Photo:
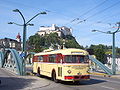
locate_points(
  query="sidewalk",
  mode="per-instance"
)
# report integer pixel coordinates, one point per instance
(23, 83)
(36, 84)
(11, 81)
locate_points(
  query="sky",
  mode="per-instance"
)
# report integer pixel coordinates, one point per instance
(82, 16)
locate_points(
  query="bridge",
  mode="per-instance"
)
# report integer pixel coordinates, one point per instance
(11, 60)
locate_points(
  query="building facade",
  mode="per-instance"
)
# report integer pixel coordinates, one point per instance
(117, 61)
(54, 29)
(11, 43)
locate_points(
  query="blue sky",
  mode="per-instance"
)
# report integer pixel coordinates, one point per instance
(99, 14)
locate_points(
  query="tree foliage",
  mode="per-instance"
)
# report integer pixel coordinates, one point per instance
(99, 51)
(42, 42)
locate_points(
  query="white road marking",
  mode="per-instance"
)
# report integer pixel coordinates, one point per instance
(108, 87)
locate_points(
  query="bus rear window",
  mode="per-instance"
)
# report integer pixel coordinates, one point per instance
(75, 59)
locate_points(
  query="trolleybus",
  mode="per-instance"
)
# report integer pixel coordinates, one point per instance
(64, 64)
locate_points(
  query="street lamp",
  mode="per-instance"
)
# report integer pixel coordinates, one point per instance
(113, 46)
(25, 24)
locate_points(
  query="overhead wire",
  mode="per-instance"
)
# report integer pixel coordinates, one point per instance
(106, 18)
(70, 17)
(78, 18)
(29, 6)
(102, 11)
(58, 13)
(107, 23)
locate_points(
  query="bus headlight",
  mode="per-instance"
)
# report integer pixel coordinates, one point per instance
(69, 71)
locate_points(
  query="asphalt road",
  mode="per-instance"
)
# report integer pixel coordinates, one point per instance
(96, 83)
(11, 82)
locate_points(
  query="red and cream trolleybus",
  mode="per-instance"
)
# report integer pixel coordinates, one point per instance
(64, 64)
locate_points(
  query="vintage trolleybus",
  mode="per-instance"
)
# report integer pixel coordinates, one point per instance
(65, 64)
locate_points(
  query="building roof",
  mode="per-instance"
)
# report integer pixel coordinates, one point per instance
(9, 39)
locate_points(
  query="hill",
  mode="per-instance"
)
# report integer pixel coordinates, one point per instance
(39, 43)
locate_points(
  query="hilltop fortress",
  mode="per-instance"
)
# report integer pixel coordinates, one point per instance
(61, 31)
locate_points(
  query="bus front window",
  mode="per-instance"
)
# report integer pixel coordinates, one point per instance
(74, 59)
(70, 59)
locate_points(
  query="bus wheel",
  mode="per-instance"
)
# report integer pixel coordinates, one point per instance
(38, 71)
(54, 77)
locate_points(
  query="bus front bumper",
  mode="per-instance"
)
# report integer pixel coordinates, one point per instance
(77, 78)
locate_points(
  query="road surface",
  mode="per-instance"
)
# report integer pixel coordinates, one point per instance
(13, 82)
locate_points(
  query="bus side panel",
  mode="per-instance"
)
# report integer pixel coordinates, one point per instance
(48, 68)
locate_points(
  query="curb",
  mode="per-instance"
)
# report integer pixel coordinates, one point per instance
(105, 75)
(115, 76)
(101, 74)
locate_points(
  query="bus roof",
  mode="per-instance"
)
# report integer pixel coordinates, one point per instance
(70, 51)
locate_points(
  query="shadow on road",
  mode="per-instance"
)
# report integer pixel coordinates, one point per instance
(89, 82)
(13, 83)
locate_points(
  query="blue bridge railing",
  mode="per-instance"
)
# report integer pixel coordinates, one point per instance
(14, 64)
(101, 65)
(1, 58)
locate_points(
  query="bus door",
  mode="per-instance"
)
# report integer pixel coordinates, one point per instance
(59, 61)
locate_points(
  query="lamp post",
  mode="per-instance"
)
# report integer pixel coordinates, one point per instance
(25, 24)
(113, 46)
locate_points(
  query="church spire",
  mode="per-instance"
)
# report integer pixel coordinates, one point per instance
(18, 37)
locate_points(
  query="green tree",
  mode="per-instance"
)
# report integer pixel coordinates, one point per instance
(99, 52)
(42, 42)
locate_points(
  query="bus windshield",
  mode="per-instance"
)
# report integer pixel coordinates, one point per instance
(75, 59)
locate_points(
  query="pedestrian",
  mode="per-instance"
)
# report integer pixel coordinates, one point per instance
(0, 81)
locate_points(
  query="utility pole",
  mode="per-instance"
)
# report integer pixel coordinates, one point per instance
(113, 46)
(25, 24)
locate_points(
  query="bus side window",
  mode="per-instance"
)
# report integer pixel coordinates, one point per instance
(52, 58)
(40, 58)
(35, 59)
(59, 58)
(45, 58)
